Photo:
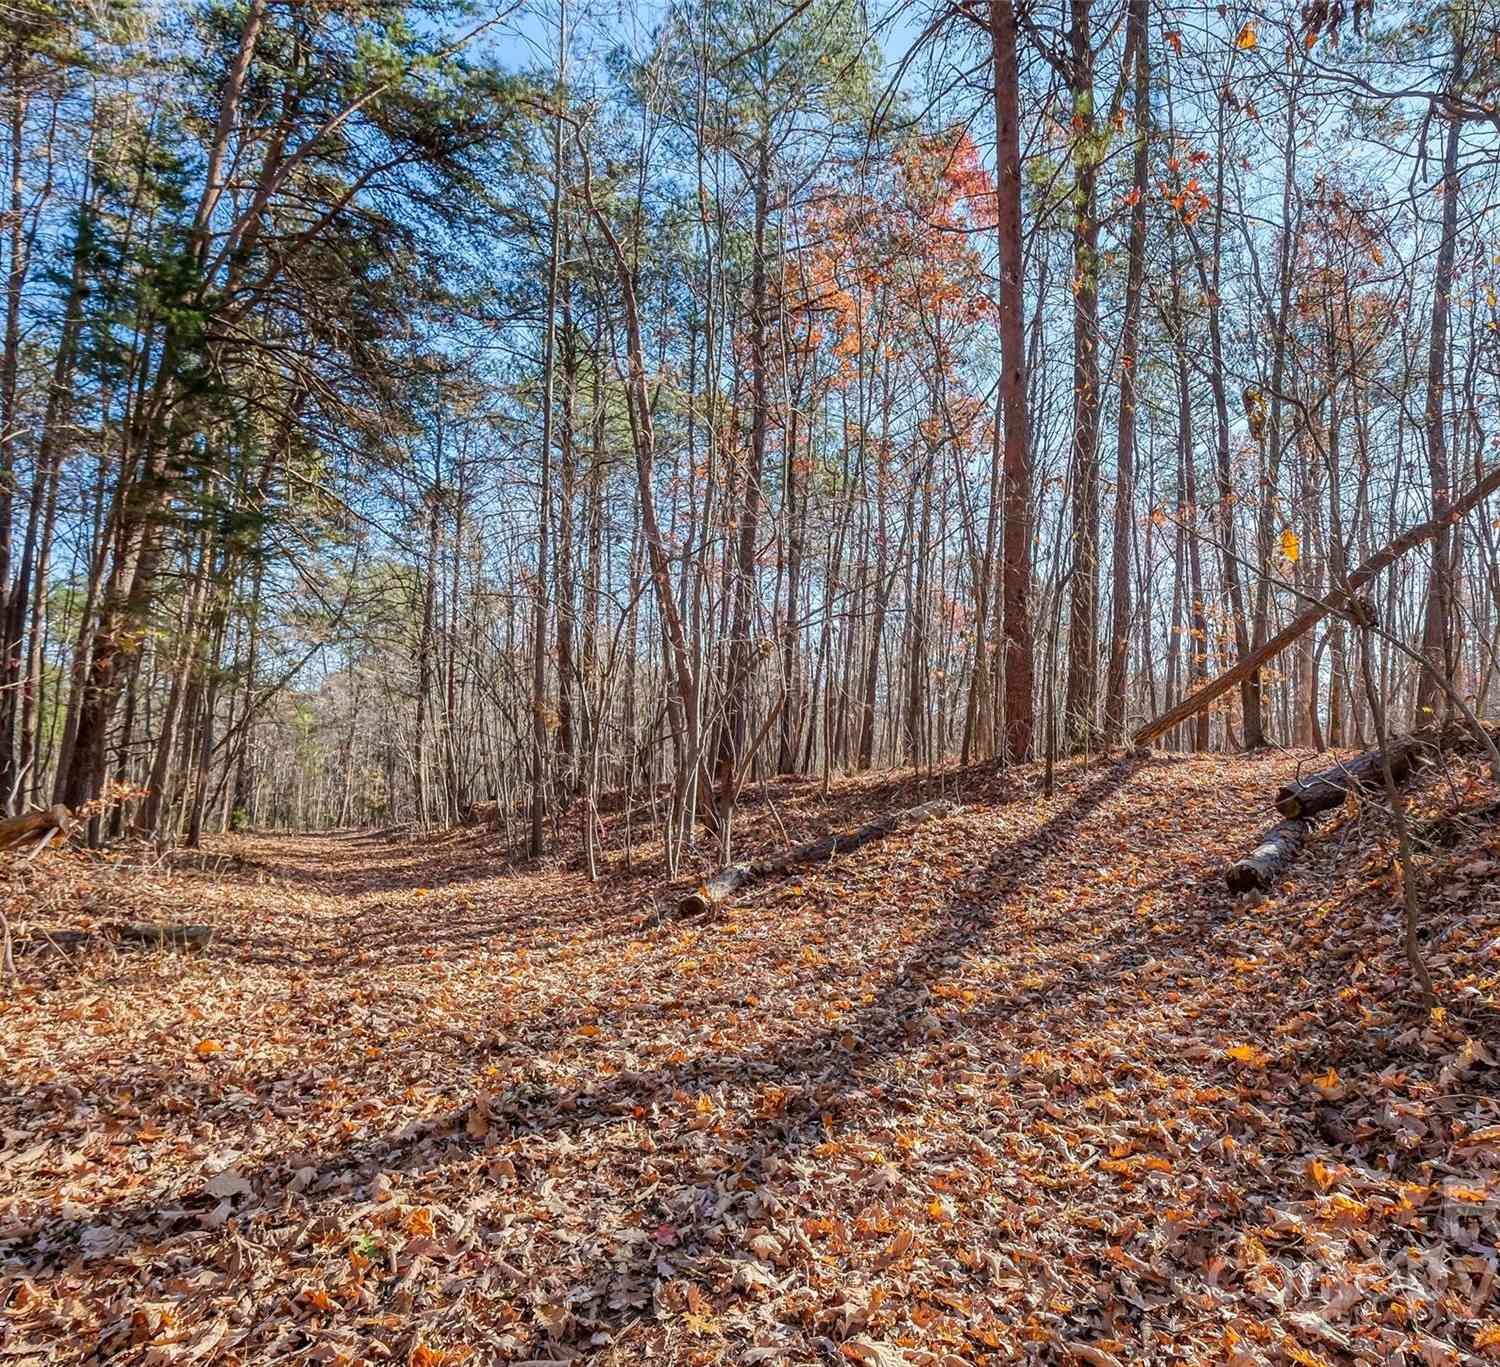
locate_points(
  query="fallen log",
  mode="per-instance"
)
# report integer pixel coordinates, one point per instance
(1338, 600)
(145, 933)
(19, 830)
(1323, 791)
(719, 888)
(728, 880)
(1278, 847)
(163, 936)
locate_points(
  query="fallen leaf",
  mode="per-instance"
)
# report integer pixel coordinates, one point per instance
(896, 1249)
(228, 1183)
(873, 1353)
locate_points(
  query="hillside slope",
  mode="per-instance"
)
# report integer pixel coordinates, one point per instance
(1025, 1083)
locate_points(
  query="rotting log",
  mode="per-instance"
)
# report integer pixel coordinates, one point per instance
(728, 880)
(163, 936)
(147, 934)
(720, 888)
(20, 830)
(1337, 600)
(1303, 799)
(1278, 847)
(1325, 790)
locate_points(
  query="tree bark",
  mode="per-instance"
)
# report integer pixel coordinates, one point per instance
(1083, 606)
(1016, 543)
(1120, 611)
(1278, 847)
(538, 842)
(1437, 625)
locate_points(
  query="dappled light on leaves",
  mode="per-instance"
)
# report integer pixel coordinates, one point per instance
(1023, 1079)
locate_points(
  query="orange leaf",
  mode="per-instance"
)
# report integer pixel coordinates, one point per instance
(319, 1299)
(897, 1248)
(419, 1222)
(1321, 1173)
(423, 1356)
(1246, 39)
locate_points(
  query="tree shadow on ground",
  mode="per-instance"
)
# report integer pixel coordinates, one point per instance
(339, 864)
(815, 1073)
(707, 1200)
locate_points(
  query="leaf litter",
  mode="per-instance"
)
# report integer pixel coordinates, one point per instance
(1023, 1084)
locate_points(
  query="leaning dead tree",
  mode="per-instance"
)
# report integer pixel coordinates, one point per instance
(1339, 599)
(732, 877)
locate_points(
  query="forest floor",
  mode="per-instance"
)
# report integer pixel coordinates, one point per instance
(1022, 1084)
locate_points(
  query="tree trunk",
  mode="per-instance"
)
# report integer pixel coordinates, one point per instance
(1083, 607)
(1437, 625)
(539, 717)
(1252, 732)
(741, 657)
(1119, 643)
(1017, 588)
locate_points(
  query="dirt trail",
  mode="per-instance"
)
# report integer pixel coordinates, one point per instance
(1026, 1083)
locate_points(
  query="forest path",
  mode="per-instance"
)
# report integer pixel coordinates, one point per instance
(1024, 1081)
